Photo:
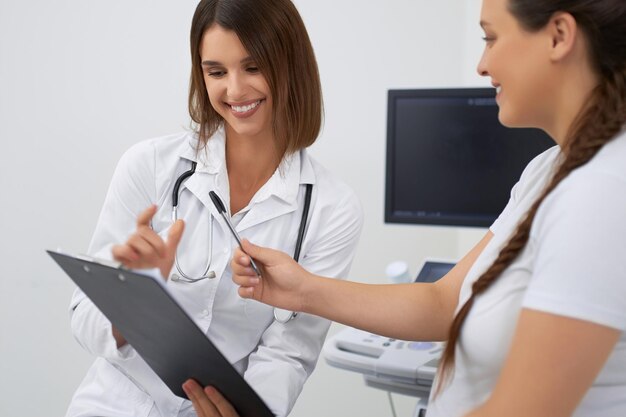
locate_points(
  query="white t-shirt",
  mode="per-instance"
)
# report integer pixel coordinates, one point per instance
(573, 265)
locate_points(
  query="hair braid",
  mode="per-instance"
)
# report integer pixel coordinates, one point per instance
(594, 127)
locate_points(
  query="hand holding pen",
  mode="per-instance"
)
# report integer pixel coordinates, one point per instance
(222, 211)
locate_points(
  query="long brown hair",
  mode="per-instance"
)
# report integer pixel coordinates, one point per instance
(273, 33)
(603, 23)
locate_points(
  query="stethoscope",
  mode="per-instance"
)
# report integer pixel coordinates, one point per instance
(280, 315)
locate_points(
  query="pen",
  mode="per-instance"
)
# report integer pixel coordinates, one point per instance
(222, 210)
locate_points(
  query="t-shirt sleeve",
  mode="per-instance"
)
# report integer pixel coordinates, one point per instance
(533, 172)
(510, 206)
(579, 237)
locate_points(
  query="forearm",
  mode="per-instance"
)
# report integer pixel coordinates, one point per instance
(402, 311)
(92, 330)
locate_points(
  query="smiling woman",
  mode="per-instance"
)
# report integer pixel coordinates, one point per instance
(255, 101)
(276, 47)
(237, 90)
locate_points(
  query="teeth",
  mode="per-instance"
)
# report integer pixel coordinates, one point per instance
(243, 109)
(498, 89)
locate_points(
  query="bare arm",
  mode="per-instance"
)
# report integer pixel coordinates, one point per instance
(552, 363)
(419, 311)
(407, 311)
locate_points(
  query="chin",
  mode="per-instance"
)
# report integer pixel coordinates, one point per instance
(508, 118)
(250, 131)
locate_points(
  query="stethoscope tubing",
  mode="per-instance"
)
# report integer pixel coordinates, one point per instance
(211, 274)
(175, 195)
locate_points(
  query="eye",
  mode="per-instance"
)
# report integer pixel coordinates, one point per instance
(489, 39)
(216, 73)
(252, 70)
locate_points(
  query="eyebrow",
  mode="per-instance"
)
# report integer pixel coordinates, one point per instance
(209, 63)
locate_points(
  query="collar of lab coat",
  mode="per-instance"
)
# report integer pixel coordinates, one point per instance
(294, 170)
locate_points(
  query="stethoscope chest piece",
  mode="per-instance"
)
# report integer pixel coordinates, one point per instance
(283, 316)
(178, 278)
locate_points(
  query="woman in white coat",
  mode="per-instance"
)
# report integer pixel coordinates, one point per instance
(256, 102)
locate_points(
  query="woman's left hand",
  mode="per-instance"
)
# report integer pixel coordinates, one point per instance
(208, 402)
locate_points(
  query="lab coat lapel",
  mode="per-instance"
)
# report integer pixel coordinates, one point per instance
(210, 174)
(267, 210)
(279, 196)
(199, 184)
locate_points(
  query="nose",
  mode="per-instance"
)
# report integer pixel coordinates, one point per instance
(236, 86)
(482, 65)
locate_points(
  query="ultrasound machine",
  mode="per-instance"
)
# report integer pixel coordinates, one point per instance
(396, 366)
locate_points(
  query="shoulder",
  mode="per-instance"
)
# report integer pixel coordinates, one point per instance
(579, 240)
(148, 156)
(609, 162)
(530, 185)
(603, 176)
(153, 148)
(592, 196)
(541, 166)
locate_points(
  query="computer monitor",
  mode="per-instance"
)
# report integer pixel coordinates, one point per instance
(449, 160)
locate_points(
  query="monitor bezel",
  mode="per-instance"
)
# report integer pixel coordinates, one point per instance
(448, 220)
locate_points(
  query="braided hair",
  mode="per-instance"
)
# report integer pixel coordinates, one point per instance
(603, 23)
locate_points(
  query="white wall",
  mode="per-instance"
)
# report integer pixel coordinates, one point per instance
(82, 81)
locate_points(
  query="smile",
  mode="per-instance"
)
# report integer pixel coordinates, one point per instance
(246, 108)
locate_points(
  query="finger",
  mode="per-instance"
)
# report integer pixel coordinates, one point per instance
(145, 217)
(240, 257)
(223, 406)
(200, 401)
(174, 235)
(146, 251)
(152, 238)
(241, 265)
(246, 292)
(259, 253)
(245, 276)
(124, 254)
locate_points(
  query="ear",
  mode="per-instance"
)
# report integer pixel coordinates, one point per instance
(563, 31)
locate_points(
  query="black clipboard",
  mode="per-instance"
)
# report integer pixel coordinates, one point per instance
(161, 332)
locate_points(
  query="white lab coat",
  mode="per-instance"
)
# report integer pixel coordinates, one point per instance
(274, 358)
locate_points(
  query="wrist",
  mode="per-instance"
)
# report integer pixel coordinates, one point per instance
(308, 293)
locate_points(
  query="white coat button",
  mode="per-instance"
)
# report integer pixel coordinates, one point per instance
(205, 313)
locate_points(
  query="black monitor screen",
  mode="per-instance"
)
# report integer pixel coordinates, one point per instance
(449, 160)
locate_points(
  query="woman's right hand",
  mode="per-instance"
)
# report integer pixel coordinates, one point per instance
(282, 282)
(145, 248)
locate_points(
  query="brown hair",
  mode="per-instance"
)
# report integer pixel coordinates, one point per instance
(603, 23)
(273, 33)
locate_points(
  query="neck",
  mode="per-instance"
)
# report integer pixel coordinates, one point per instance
(250, 161)
(572, 97)
(571, 106)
